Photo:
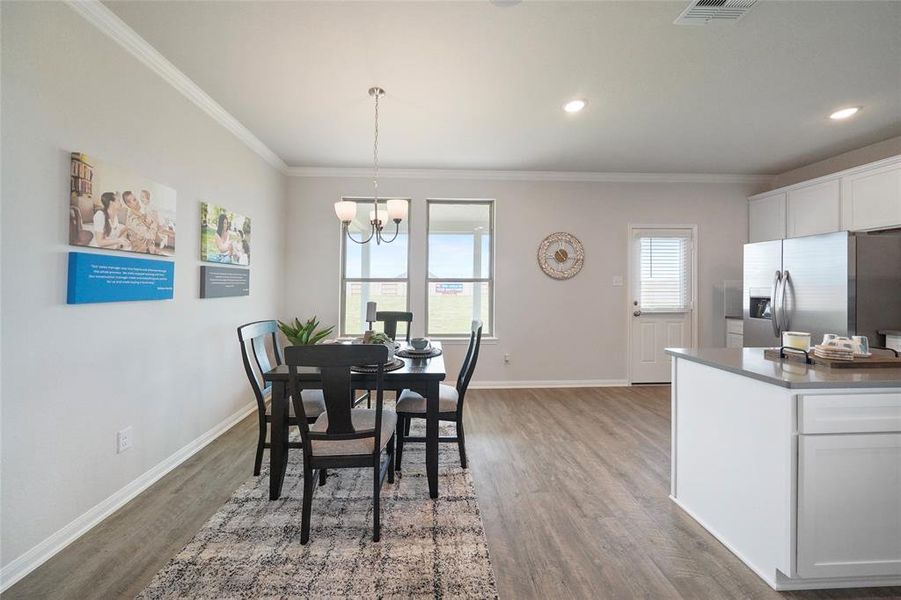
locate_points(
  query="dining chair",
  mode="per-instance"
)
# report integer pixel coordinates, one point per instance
(411, 405)
(342, 437)
(252, 337)
(391, 318)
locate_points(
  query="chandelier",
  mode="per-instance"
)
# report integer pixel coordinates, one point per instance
(394, 210)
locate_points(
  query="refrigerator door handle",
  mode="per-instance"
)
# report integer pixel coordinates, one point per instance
(774, 312)
(786, 318)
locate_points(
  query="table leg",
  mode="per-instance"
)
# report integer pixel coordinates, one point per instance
(431, 438)
(278, 437)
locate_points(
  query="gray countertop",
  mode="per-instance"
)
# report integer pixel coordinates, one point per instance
(751, 363)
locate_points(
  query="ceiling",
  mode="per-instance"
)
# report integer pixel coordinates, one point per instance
(480, 85)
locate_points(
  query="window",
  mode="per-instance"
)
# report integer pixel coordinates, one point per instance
(372, 273)
(664, 270)
(460, 278)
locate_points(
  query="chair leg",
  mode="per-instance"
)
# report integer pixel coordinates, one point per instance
(461, 443)
(307, 504)
(390, 448)
(407, 426)
(258, 460)
(322, 475)
(376, 488)
(400, 441)
(368, 399)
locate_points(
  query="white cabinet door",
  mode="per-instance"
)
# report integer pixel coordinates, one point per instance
(872, 199)
(849, 512)
(814, 209)
(766, 218)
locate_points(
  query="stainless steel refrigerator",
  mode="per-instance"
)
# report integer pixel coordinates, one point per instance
(843, 283)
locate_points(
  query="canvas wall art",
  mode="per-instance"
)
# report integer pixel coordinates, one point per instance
(112, 208)
(224, 236)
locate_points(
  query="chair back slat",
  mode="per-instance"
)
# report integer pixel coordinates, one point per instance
(469, 362)
(252, 337)
(334, 362)
(391, 318)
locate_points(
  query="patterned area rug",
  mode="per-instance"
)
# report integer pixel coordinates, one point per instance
(429, 548)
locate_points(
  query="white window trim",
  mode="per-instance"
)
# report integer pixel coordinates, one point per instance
(463, 338)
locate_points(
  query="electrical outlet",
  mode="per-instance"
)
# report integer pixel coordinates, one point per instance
(507, 358)
(617, 281)
(123, 439)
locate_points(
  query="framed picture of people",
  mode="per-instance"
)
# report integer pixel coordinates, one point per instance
(224, 236)
(113, 208)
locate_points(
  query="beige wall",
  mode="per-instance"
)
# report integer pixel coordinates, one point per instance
(840, 162)
(581, 322)
(75, 375)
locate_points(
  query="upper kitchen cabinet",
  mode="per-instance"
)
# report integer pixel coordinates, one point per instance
(871, 199)
(813, 209)
(766, 217)
(858, 199)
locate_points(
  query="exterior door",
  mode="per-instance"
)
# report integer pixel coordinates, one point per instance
(661, 302)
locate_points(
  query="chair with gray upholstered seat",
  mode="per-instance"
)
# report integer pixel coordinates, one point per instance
(342, 437)
(253, 338)
(411, 405)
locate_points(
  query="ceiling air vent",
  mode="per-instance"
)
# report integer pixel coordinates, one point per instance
(702, 12)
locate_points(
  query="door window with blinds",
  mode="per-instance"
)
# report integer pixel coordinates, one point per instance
(663, 270)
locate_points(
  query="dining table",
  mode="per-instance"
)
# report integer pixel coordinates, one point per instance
(421, 375)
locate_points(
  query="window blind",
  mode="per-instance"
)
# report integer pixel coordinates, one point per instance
(664, 274)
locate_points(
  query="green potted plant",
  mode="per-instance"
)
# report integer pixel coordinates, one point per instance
(306, 333)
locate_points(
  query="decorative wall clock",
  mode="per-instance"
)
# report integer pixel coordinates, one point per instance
(561, 255)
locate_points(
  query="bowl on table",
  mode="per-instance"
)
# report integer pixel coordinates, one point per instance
(419, 343)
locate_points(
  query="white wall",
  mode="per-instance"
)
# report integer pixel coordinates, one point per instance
(74, 375)
(581, 322)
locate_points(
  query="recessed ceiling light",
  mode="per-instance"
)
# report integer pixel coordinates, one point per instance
(574, 106)
(844, 113)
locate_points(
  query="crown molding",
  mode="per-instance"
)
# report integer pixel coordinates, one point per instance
(568, 176)
(106, 21)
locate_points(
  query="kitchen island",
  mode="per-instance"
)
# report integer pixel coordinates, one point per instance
(796, 469)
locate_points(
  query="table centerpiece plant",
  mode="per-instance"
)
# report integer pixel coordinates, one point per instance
(371, 337)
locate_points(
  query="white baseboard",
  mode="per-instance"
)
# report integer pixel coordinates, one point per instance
(35, 557)
(549, 383)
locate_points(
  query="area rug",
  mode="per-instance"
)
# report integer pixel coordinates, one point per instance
(429, 548)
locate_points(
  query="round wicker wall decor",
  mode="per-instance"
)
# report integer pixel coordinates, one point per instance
(561, 255)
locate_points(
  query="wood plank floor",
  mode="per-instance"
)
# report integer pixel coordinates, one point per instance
(573, 486)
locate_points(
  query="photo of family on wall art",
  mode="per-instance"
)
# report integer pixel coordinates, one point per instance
(114, 209)
(224, 236)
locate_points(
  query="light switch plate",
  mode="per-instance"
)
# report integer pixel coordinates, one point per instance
(617, 281)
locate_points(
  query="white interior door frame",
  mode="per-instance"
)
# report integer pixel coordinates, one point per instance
(627, 305)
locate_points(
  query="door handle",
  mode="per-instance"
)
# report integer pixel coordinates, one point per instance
(786, 317)
(636, 313)
(774, 310)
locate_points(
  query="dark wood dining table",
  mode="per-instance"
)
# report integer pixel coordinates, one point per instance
(420, 375)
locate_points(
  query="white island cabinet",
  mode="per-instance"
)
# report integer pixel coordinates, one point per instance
(796, 469)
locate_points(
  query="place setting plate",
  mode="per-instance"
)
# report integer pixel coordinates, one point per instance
(411, 352)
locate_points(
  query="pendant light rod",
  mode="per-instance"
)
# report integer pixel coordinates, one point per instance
(395, 209)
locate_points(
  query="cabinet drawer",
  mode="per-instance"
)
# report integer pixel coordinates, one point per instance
(735, 326)
(850, 413)
(734, 340)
